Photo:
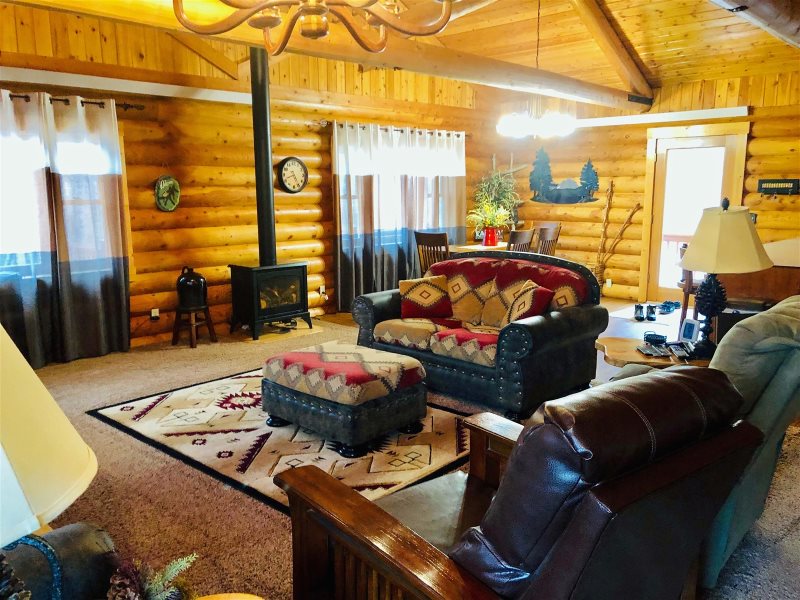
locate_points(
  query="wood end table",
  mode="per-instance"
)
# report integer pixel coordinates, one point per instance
(619, 351)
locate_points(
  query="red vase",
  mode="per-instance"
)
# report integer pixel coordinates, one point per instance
(490, 236)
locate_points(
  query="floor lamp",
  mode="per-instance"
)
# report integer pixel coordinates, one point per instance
(726, 241)
(44, 463)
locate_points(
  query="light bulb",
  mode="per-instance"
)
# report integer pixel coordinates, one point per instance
(516, 125)
(555, 124)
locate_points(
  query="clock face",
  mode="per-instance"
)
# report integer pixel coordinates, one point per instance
(292, 175)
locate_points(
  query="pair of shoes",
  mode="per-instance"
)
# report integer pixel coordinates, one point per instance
(668, 307)
(638, 312)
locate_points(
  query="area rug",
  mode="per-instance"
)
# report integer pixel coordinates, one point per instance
(219, 428)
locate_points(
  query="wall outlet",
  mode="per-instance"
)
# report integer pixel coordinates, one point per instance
(322, 290)
(608, 283)
(154, 314)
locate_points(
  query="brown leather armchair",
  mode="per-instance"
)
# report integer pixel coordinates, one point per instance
(604, 494)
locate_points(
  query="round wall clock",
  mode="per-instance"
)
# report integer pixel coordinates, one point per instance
(167, 193)
(292, 175)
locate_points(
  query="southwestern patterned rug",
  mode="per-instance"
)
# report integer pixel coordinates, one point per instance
(219, 428)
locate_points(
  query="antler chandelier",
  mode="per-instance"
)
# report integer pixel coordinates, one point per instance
(366, 20)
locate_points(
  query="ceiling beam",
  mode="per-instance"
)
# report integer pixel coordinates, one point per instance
(402, 54)
(207, 52)
(780, 18)
(603, 33)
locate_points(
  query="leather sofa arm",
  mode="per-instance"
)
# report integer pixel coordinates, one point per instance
(491, 440)
(332, 524)
(371, 309)
(557, 328)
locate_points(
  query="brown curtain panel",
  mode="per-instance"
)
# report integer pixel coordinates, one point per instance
(63, 259)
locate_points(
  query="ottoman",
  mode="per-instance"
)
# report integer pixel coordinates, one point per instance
(348, 394)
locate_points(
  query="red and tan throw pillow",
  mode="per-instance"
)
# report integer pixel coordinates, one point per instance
(518, 300)
(469, 281)
(425, 298)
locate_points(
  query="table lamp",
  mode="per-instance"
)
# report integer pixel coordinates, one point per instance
(725, 241)
(44, 463)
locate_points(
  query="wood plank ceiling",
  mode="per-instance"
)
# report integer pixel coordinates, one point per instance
(671, 40)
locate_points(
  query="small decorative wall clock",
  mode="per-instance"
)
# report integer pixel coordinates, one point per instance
(167, 193)
(292, 175)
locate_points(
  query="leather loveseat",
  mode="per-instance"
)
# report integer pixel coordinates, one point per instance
(514, 368)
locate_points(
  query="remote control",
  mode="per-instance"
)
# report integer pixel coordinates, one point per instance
(679, 351)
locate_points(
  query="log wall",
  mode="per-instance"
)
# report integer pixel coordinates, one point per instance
(208, 147)
(619, 154)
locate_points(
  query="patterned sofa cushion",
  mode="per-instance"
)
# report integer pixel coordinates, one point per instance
(469, 283)
(519, 300)
(476, 345)
(343, 373)
(426, 298)
(411, 333)
(569, 288)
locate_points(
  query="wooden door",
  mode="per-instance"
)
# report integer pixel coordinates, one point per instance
(690, 173)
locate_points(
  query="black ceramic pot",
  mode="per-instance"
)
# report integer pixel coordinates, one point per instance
(192, 289)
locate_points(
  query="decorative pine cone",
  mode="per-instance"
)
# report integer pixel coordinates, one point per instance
(711, 297)
(123, 587)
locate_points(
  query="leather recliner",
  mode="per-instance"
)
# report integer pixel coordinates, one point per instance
(604, 494)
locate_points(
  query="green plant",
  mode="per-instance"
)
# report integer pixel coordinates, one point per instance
(488, 214)
(498, 188)
(133, 580)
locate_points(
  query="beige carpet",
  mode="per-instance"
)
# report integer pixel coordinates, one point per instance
(158, 508)
(219, 427)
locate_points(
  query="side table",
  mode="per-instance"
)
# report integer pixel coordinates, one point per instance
(618, 352)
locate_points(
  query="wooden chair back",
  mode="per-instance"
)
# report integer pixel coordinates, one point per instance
(689, 287)
(432, 248)
(520, 240)
(547, 233)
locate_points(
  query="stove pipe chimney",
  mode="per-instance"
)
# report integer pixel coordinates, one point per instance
(262, 145)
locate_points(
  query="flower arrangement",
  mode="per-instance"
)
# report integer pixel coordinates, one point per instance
(498, 188)
(488, 214)
(133, 580)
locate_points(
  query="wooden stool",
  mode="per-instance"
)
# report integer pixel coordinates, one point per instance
(192, 323)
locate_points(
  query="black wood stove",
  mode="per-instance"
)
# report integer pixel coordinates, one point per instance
(269, 293)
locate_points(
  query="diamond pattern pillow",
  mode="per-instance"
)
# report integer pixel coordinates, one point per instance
(517, 300)
(529, 301)
(425, 298)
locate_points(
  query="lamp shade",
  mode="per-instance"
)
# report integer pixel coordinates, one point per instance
(44, 463)
(726, 241)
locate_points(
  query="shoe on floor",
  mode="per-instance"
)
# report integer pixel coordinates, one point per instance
(666, 308)
(651, 312)
(638, 312)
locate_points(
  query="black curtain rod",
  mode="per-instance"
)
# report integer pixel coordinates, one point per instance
(389, 128)
(100, 103)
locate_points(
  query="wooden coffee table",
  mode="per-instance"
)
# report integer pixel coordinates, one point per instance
(618, 351)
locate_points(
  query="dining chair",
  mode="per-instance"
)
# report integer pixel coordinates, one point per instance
(520, 240)
(432, 248)
(547, 233)
(689, 285)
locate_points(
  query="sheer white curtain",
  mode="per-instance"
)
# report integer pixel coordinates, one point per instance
(390, 182)
(63, 264)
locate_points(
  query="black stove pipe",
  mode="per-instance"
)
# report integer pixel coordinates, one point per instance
(262, 145)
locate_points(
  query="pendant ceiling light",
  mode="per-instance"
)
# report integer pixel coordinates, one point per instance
(367, 20)
(535, 121)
